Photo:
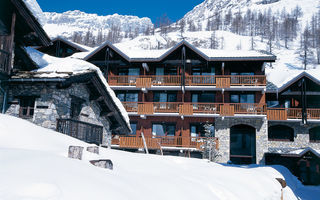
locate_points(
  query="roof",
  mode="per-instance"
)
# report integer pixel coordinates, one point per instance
(23, 8)
(207, 54)
(294, 79)
(271, 87)
(75, 45)
(296, 152)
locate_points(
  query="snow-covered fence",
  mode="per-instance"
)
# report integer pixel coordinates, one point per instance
(75, 152)
(93, 149)
(103, 163)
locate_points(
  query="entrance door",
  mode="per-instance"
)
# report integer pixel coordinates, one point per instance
(243, 144)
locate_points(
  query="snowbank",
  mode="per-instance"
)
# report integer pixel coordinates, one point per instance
(60, 67)
(34, 165)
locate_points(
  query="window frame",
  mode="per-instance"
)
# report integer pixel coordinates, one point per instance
(28, 108)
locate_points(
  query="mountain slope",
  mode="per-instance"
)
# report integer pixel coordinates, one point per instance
(208, 8)
(64, 24)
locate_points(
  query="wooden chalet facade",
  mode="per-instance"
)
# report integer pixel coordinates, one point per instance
(171, 95)
(79, 105)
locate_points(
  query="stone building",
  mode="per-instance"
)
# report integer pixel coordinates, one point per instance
(63, 94)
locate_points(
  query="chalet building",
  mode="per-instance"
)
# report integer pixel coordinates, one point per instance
(294, 123)
(62, 47)
(172, 94)
(72, 98)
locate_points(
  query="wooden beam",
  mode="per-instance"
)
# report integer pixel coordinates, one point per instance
(11, 41)
(106, 113)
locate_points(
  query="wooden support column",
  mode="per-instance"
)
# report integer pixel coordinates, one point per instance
(11, 41)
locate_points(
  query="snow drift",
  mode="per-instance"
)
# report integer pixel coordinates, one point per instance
(34, 165)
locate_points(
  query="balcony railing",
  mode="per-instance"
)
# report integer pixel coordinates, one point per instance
(86, 132)
(155, 142)
(4, 62)
(291, 113)
(224, 109)
(221, 81)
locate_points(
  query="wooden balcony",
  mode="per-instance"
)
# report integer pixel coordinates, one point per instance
(282, 114)
(155, 142)
(145, 81)
(84, 131)
(223, 109)
(220, 81)
(226, 81)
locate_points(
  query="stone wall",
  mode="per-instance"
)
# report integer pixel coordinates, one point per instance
(222, 131)
(52, 103)
(301, 136)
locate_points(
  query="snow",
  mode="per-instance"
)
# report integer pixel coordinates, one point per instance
(64, 24)
(50, 66)
(35, 9)
(34, 165)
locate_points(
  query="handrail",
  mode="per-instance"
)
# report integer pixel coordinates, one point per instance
(153, 142)
(190, 80)
(292, 113)
(205, 108)
(84, 131)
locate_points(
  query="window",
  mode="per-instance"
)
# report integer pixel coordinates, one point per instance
(280, 133)
(129, 71)
(128, 96)
(314, 134)
(242, 98)
(273, 104)
(205, 97)
(26, 107)
(160, 129)
(164, 97)
(76, 106)
(133, 128)
(198, 130)
(209, 71)
(243, 73)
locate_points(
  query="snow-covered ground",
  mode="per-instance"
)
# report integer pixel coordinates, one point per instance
(34, 165)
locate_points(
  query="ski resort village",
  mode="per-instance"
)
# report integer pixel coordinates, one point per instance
(223, 103)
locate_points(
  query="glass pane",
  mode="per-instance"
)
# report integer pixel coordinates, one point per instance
(132, 97)
(247, 98)
(193, 130)
(158, 129)
(247, 73)
(195, 98)
(159, 71)
(234, 98)
(171, 129)
(234, 73)
(134, 71)
(133, 128)
(172, 97)
(207, 97)
(121, 97)
(163, 97)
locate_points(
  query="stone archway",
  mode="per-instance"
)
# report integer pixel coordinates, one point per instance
(242, 144)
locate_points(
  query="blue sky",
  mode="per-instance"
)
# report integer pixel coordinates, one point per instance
(175, 9)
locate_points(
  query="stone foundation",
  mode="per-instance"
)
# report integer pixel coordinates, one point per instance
(222, 131)
(301, 136)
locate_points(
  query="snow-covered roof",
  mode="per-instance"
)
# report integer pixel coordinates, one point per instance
(208, 54)
(52, 67)
(313, 75)
(80, 47)
(35, 9)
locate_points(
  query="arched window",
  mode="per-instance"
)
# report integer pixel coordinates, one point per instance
(314, 134)
(280, 133)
